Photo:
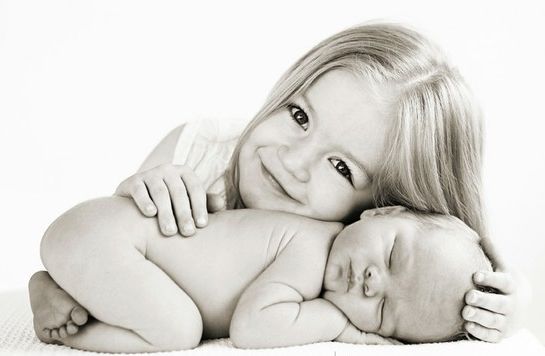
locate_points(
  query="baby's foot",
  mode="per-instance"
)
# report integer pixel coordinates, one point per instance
(56, 313)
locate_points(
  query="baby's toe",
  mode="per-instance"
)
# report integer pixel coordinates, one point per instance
(55, 334)
(46, 333)
(62, 332)
(71, 328)
(79, 316)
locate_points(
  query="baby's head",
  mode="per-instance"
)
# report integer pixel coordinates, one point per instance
(374, 115)
(404, 275)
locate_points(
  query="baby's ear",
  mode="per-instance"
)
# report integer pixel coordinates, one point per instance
(383, 211)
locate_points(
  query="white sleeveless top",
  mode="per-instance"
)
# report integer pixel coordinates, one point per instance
(207, 147)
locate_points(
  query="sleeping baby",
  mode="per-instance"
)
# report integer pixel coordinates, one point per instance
(263, 278)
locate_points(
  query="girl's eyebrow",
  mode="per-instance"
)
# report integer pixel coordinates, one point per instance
(363, 167)
(308, 104)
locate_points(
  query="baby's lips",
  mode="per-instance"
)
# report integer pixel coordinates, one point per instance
(333, 277)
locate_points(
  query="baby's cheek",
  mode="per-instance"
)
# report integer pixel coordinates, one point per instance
(363, 315)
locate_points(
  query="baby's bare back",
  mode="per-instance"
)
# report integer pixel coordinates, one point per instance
(105, 254)
(215, 265)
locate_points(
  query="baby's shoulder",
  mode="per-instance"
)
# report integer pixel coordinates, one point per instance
(281, 221)
(278, 228)
(284, 229)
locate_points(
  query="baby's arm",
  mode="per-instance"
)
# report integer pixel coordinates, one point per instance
(96, 252)
(282, 306)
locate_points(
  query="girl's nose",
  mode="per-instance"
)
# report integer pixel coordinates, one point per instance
(295, 161)
(373, 283)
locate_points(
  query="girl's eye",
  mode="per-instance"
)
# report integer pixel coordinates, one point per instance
(299, 116)
(342, 168)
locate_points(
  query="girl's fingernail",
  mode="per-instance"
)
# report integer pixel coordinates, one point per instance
(469, 326)
(479, 277)
(470, 312)
(201, 221)
(189, 228)
(472, 297)
(150, 208)
(170, 228)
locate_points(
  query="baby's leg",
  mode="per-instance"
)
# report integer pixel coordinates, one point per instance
(56, 313)
(94, 253)
(142, 311)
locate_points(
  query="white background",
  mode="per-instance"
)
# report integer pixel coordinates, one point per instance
(88, 88)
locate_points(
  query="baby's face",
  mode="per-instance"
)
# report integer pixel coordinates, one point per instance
(317, 156)
(391, 278)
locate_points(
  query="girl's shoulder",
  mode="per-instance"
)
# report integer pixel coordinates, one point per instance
(207, 146)
(207, 134)
(217, 130)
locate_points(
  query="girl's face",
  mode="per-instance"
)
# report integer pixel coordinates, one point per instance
(317, 157)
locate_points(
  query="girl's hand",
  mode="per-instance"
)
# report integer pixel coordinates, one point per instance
(172, 192)
(353, 335)
(492, 316)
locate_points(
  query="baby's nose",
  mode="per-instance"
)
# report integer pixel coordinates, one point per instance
(372, 284)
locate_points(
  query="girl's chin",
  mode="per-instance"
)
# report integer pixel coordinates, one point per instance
(264, 202)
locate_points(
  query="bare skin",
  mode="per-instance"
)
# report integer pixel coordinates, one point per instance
(56, 313)
(116, 264)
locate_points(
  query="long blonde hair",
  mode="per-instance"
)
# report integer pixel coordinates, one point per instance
(435, 147)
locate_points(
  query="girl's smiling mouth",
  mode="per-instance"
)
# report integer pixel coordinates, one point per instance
(275, 183)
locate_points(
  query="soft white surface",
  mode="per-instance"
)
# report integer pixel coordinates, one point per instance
(17, 337)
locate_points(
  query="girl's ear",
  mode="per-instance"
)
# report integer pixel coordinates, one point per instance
(396, 209)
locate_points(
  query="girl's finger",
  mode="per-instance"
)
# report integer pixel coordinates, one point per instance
(215, 202)
(160, 195)
(122, 188)
(484, 318)
(141, 197)
(197, 196)
(496, 303)
(482, 333)
(180, 202)
(498, 280)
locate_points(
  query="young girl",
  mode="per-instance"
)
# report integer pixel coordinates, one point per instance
(372, 116)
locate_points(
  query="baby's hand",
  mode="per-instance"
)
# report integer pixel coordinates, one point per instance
(492, 316)
(353, 335)
(162, 189)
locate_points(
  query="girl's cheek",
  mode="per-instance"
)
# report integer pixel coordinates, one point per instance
(329, 202)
